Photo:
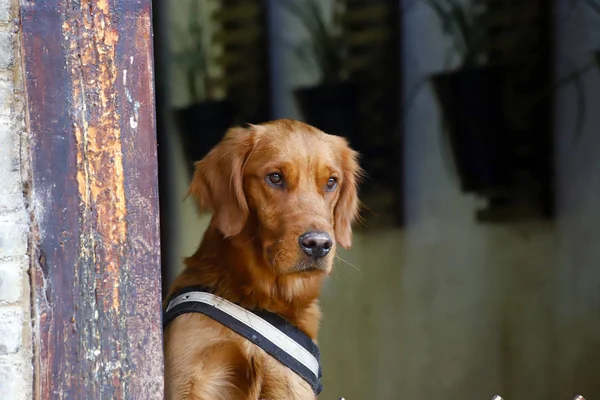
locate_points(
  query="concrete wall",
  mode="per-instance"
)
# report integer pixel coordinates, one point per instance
(577, 296)
(445, 308)
(451, 309)
(15, 319)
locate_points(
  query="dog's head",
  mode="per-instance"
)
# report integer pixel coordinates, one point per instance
(288, 186)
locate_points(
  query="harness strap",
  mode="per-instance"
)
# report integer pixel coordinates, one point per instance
(272, 333)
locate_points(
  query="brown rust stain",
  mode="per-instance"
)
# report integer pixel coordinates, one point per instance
(92, 62)
(92, 65)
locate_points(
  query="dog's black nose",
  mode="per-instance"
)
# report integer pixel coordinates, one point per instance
(316, 244)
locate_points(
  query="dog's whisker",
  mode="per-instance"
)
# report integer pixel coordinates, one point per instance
(276, 255)
(335, 272)
(349, 263)
(275, 258)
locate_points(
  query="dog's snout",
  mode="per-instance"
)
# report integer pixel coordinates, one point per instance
(316, 244)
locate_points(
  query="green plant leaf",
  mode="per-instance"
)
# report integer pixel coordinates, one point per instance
(444, 16)
(464, 34)
(325, 48)
(455, 23)
(191, 57)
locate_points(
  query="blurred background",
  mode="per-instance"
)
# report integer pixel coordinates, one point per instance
(477, 271)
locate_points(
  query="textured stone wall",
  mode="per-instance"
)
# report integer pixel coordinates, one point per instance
(16, 372)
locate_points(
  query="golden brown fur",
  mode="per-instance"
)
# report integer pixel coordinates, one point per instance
(250, 254)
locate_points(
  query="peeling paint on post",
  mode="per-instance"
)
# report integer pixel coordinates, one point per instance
(96, 272)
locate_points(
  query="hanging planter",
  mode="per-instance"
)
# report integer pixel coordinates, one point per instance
(471, 102)
(330, 107)
(495, 115)
(201, 126)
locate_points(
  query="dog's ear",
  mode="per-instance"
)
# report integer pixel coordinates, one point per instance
(347, 207)
(217, 184)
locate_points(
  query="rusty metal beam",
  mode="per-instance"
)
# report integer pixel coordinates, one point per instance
(96, 259)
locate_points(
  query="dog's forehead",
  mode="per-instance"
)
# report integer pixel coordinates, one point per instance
(300, 145)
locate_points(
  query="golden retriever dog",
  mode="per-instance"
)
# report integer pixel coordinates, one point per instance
(282, 194)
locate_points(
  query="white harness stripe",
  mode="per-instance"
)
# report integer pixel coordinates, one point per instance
(252, 320)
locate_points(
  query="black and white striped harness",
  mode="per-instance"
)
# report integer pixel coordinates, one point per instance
(269, 331)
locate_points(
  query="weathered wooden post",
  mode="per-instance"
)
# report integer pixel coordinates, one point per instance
(96, 259)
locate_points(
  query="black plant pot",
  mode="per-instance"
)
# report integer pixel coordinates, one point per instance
(597, 58)
(201, 127)
(472, 104)
(331, 108)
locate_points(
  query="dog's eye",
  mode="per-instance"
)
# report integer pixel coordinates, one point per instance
(331, 184)
(275, 179)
